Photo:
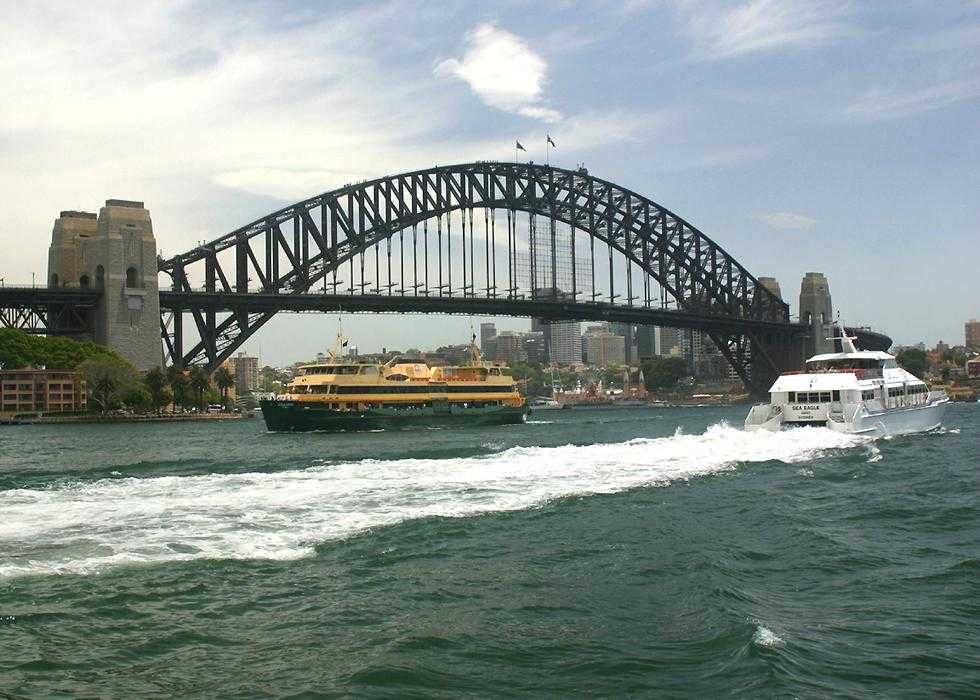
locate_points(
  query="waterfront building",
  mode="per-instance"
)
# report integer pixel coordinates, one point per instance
(971, 331)
(973, 368)
(41, 391)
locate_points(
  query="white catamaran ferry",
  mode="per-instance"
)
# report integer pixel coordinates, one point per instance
(853, 391)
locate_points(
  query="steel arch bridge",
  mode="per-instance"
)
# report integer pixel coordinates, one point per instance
(390, 244)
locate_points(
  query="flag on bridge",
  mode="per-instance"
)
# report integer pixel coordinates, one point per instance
(553, 144)
(518, 146)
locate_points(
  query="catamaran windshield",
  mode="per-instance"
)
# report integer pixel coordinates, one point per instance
(844, 363)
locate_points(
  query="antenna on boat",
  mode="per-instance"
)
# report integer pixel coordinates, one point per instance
(846, 341)
(340, 342)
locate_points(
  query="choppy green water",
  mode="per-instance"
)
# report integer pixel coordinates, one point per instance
(593, 552)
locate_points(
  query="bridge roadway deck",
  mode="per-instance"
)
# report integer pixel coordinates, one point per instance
(548, 309)
(59, 310)
(27, 296)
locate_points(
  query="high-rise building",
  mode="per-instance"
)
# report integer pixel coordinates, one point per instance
(628, 332)
(671, 341)
(245, 370)
(565, 343)
(510, 347)
(692, 347)
(972, 332)
(562, 340)
(533, 344)
(605, 349)
(646, 342)
(488, 331)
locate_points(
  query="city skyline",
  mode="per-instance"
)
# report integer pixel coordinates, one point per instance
(846, 128)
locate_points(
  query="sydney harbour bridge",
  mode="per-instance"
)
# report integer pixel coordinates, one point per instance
(483, 238)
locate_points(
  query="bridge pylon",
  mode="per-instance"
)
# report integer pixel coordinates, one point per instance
(114, 253)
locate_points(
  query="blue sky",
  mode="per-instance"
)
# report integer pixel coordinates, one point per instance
(802, 135)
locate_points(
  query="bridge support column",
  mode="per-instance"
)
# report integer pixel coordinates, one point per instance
(115, 253)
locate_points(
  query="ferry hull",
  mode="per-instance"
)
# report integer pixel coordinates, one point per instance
(296, 416)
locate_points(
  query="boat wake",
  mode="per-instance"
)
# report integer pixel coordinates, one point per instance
(83, 528)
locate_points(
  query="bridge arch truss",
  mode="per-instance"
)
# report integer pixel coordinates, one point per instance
(470, 237)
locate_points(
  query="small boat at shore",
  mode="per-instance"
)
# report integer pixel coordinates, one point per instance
(345, 395)
(543, 403)
(854, 391)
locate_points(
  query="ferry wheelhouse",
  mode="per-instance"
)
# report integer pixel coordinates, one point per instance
(851, 392)
(341, 395)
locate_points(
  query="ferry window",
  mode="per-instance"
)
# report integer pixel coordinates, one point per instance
(494, 371)
(825, 397)
(370, 369)
(836, 395)
(791, 397)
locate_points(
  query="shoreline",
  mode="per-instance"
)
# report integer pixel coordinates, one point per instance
(95, 418)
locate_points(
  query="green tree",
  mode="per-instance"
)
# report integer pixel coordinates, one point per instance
(108, 380)
(137, 397)
(534, 379)
(224, 381)
(20, 349)
(155, 382)
(663, 372)
(913, 360)
(200, 382)
(16, 349)
(179, 388)
(612, 377)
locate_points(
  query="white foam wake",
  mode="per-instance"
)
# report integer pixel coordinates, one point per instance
(281, 515)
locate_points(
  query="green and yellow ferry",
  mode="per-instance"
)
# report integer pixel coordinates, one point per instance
(403, 393)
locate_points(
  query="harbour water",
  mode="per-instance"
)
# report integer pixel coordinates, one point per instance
(627, 551)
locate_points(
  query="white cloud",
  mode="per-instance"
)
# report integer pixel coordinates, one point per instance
(789, 220)
(291, 185)
(722, 31)
(889, 103)
(176, 103)
(503, 71)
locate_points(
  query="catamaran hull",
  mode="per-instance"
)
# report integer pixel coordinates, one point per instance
(917, 419)
(296, 416)
(902, 421)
